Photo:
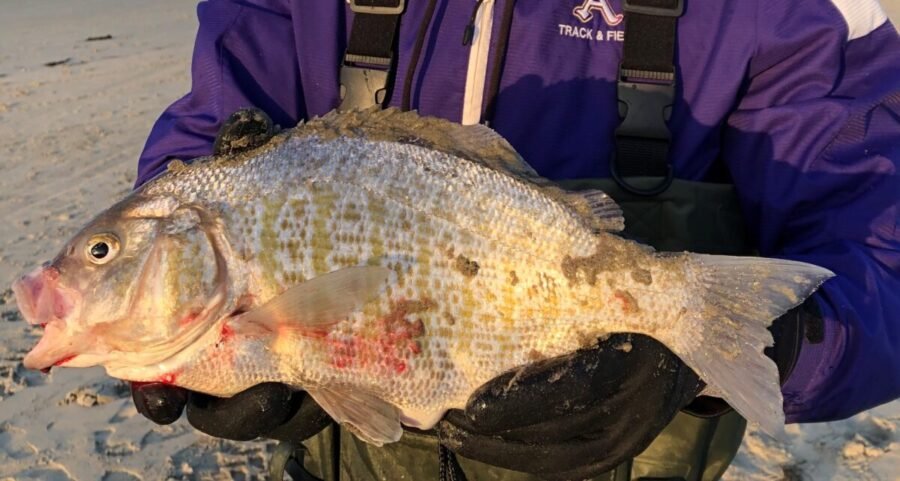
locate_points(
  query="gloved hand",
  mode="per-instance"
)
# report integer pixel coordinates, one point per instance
(269, 410)
(575, 416)
(584, 414)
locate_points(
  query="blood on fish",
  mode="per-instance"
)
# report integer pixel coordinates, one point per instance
(224, 351)
(189, 318)
(64, 360)
(390, 343)
(168, 378)
(227, 333)
(399, 367)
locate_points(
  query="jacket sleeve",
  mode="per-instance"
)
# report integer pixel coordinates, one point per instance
(814, 149)
(244, 56)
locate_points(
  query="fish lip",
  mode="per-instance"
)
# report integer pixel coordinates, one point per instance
(34, 290)
(26, 308)
(30, 363)
(56, 346)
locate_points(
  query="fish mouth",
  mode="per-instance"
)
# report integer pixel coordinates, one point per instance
(55, 348)
(44, 302)
(41, 298)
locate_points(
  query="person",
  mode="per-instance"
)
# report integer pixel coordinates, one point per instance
(793, 108)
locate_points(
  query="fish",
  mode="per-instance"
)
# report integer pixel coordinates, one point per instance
(389, 264)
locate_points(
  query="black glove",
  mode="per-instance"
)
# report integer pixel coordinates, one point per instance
(575, 416)
(584, 414)
(270, 410)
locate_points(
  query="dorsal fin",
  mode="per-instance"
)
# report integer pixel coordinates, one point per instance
(598, 208)
(477, 143)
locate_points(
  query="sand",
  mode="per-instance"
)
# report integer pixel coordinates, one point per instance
(70, 135)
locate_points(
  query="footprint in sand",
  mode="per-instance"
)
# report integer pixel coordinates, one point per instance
(879, 432)
(96, 394)
(13, 443)
(13, 375)
(220, 459)
(106, 446)
(44, 474)
(120, 476)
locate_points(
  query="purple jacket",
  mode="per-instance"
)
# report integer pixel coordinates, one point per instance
(800, 99)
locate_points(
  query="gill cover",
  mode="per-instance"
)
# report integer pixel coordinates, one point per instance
(139, 283)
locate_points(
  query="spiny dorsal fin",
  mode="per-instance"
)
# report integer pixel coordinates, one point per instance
(597, 206)
(477, 143)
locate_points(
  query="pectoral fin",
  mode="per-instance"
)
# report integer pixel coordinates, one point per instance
(322, 301)
(370, 418)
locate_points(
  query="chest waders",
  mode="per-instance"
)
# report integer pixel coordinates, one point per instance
(669, 214)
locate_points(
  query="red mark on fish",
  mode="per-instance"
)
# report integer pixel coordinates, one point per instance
(61, 362)
(51, 273)
(168, 378)
(388, 345)
(189, 318)
(629, 303)
(226, 334)
(64, 360)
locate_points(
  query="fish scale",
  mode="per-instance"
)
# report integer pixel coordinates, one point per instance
(391, 264)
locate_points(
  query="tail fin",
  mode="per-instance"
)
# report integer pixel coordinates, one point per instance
(741, 296)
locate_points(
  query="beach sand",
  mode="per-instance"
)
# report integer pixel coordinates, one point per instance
(70, 135)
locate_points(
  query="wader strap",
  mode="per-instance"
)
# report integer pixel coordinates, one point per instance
(449, 468)
(368, 67)
(646, 91)
(288, 458)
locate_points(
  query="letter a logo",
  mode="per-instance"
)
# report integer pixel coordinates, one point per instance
(585, 12)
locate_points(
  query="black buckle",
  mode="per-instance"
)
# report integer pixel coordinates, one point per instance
(379, 10)
(644, 109)
(675, 11)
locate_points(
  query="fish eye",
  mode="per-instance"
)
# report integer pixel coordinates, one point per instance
(102, 248)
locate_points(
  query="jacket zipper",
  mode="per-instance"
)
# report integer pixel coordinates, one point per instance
(478, 33)
(469, 31)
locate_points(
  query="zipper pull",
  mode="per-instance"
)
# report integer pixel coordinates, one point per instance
(469, 32)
